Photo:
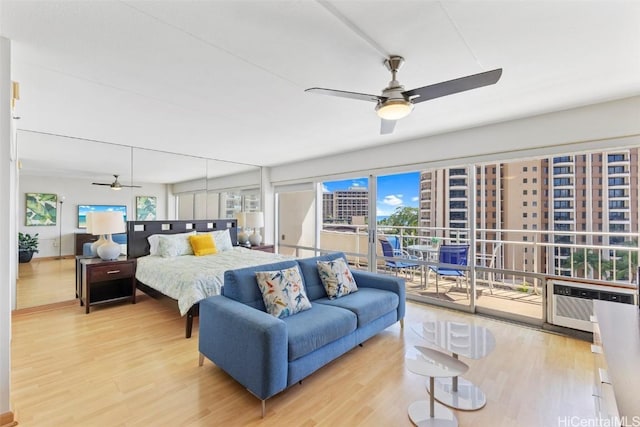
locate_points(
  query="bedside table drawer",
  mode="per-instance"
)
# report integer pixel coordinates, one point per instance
(111, 272)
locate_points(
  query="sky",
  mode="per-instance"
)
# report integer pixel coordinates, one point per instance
(400, 190)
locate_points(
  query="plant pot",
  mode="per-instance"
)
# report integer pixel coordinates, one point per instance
(25, 256)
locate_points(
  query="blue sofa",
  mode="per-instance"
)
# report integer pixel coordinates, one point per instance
(266, 354)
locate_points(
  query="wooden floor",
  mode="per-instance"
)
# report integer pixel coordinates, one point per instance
(130, 365)
(45, 281)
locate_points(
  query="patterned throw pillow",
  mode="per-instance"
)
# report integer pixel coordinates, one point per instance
(336, 278)
(172, 245)
(283, 292)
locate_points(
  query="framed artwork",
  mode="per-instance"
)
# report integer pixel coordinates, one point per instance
(83, 210)
(41, 209)
(146, 208)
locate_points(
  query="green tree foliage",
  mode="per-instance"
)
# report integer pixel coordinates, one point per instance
(402, 217)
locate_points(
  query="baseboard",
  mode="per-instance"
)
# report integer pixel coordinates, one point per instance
(7, 420)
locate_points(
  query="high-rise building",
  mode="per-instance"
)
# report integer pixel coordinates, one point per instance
(341, 206)
(595, 192)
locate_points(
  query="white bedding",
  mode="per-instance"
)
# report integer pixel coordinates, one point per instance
(189, 279)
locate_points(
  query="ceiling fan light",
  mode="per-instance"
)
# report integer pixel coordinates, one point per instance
(113, 187)
(394, 109)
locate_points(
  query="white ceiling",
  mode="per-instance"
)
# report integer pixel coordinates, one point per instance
(226, 79)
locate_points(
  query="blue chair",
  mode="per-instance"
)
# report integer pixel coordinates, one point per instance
(395, 243)
(389, 251)
(451, 255)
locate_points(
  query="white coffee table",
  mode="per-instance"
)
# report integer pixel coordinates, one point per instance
(461, 339)
(432, 363)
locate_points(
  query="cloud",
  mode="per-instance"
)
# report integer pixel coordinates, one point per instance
(393, 200)
(415, 199)
(325, 189)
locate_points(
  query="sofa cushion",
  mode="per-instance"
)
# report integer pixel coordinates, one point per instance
(336, 278)
(311, 329)
(283, 292)
(241, 285)
(312, 282)
(367, 304)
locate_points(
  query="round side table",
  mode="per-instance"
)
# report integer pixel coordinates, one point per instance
(461, 339)
(432, 363)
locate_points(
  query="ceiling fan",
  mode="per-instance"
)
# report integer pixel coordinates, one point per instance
(115, 185)
(396, 103)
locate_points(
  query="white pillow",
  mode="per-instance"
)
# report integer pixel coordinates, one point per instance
(222, 239)
(155, 238)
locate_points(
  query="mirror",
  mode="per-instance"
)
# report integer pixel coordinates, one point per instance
(171, 186)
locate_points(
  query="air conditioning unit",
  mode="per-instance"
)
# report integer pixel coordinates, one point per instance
(570, 304)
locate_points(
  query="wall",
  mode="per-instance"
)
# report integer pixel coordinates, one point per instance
(79, 191)
(593, 127)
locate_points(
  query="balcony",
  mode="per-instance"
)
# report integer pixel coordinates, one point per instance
(510, 278)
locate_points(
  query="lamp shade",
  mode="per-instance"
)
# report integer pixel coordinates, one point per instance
(241, 217)
(107, 223)
(254, 219)
(88, 220)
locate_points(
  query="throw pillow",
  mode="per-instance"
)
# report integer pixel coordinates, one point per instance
(336, 278)
(172, 245)
(222, 238)
(202, 244)
(154, 242)
(283, 292)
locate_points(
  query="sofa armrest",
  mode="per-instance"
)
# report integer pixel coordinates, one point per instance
(248, 344)
(385, 282)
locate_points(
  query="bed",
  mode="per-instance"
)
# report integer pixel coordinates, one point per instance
(187, 279)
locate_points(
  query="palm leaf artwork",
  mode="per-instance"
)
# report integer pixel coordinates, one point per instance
(146, 208)
(41, 209)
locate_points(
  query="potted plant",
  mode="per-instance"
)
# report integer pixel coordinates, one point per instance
(27, 246)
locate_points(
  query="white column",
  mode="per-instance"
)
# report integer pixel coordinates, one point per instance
(8, 250)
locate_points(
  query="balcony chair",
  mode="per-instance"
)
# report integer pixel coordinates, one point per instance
(406, 266)
(395, 243)
(451, 255)
(489, 261)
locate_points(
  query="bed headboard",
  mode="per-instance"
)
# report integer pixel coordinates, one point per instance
(138, 231)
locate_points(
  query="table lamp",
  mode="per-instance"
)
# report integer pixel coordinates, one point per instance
(101, 239)
(243, 237)
(107, 223)
(255, 220)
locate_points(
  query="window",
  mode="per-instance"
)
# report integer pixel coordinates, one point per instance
(562, 193)
(562, 159)
(457, 193)
(534, 192)
(561, 170)
(534, 169)
(534, 215)
(524, 226)
(617, 204)
(525, 192)
(524, 203)
(457, 171)
(524, 169)
(615, 169)
(561, 181)
(457, 182)
(616, 181)
(562, 216)
(525, 180)
(534, 203)
(616, 192)
(562, 204)
(534, 180)
(524, 214)
(615, 158)
(616, 216)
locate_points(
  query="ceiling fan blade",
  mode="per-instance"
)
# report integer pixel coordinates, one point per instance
(387, 126)
(132, 186)
(100, 183)
(450, 87)
(345, 94)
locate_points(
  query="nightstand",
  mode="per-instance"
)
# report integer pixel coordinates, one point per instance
(263, 248)
(106, 281)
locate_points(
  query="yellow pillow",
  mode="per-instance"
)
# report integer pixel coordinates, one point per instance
(202, 244)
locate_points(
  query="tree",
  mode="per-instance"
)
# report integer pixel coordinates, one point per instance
(403, 216)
